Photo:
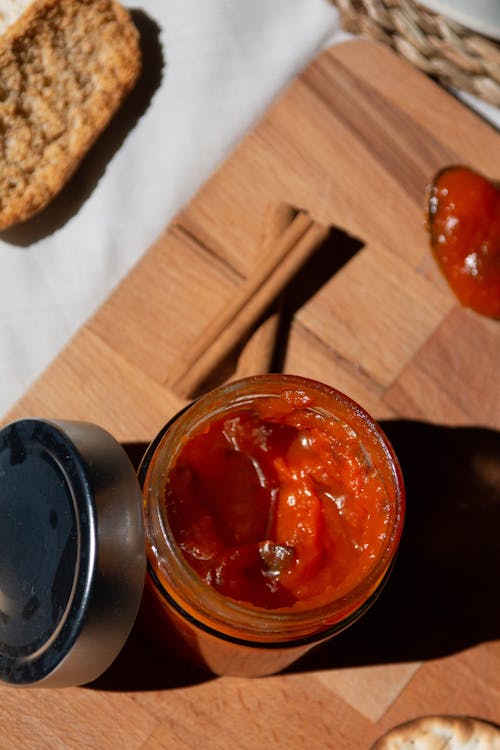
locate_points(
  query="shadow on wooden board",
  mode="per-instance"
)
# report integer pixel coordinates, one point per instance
(444, 593)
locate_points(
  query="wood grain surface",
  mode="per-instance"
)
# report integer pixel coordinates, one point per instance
(354, 141)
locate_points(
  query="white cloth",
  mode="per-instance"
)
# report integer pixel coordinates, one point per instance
(222, 63)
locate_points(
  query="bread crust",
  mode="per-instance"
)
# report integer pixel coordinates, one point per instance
(441, 733)
(65, 68)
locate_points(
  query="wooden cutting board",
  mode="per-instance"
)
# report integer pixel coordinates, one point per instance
(354, 140)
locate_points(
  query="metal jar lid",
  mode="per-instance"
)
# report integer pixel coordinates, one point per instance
(72, 552)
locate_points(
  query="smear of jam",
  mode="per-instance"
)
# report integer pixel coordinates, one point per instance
(464, 226)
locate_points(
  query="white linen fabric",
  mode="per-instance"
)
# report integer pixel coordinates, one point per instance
(211, 69)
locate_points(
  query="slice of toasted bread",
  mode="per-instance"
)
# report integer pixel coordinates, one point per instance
(441, 733)
(65, 68)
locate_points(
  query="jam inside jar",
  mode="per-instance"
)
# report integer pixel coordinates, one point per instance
(273, 509)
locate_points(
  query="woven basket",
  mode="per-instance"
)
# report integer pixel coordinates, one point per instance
(445, 50)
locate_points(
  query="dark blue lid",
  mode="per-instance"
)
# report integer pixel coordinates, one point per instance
(72, 553)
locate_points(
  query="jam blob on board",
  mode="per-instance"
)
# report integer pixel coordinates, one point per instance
(464, 225)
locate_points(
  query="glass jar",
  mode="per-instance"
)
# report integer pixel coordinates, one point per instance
(318, 428)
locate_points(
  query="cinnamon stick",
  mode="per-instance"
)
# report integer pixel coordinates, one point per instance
(277, 267)
(258, 353)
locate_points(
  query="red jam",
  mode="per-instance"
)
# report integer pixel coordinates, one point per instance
(277, 504)
(464, 223)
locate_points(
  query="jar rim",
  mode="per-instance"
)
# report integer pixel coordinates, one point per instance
(249, 620)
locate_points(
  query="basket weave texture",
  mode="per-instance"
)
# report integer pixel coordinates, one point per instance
(445, 50)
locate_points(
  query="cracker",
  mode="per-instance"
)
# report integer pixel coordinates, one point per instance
(65, 68)
(441, 733)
